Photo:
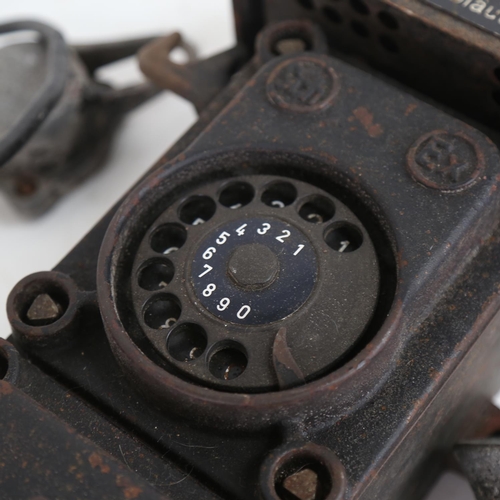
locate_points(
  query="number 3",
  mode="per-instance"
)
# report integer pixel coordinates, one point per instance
(265, 228)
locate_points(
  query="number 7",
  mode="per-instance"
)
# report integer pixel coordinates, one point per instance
(208, 269)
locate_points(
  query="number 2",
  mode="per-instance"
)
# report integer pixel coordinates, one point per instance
(285, 234)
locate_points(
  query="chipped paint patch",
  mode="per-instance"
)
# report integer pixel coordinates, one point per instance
(366, 119)
(5, 388)
(129, 490)
(96, 460)
(410, 109)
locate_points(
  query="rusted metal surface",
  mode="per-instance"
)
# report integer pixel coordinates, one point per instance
(379, 426)
(89, 452)
(424, 47)
(79, 468)
(246, 101)
(281, 473)
(444, 161)
(43, 327)
(319, 93)
(197, 81)
(288, 372)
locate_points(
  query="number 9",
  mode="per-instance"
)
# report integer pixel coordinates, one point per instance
(223, 304)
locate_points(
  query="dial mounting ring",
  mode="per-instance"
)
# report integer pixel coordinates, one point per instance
(240, 280)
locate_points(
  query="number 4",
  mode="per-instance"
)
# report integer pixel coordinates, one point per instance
(241, 230)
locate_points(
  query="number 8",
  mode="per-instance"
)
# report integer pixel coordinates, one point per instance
(209, 290)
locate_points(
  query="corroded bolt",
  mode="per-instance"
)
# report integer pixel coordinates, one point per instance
(302, 484)
(44, 310)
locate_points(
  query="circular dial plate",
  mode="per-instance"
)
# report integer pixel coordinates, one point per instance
(254, 303)
(300, 312)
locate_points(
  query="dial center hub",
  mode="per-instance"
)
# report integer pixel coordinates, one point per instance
(254, 270)
(253, 266)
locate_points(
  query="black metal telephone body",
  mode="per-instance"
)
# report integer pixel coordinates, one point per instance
(300, 299)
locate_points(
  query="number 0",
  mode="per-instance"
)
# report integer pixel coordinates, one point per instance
(244, 312)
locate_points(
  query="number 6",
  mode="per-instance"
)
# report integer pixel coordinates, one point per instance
(209, 253)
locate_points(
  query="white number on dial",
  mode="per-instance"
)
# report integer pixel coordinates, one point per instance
(244, 312)
(222, 238)
(264, 229)
(207, 270)
(285, 235)
(209, 253)
(223, 304)
(209, 290)
(241, 230)
(299, 249)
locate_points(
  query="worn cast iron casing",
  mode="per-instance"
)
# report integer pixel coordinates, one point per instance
(435, 46)
(425, 185)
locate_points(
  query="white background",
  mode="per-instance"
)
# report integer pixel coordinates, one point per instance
(27, 246)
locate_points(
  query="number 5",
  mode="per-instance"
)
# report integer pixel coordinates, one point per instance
(222, 238)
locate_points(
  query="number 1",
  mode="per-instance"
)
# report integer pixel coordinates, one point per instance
(299, 249)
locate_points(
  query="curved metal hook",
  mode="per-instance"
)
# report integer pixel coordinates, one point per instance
(197, 81)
